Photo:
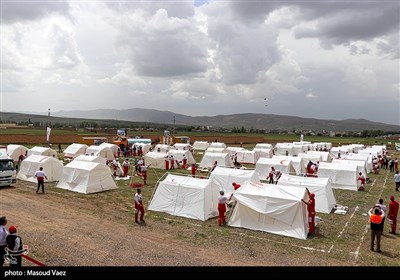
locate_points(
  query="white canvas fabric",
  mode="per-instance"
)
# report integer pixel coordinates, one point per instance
(325, 199)
(342, 176)
(274, 209)
(217, 145)
(296, 162)
(42, 151)
(114, 148)
(265, 153)
(74, 150)
(282, 148)
(361, 166)
(86, 177)
(246, 156)
(263, 166)
(178, 156)
(200, 145)
(231, 150)
(263, 146)
(101, 151)
(367, 158)
(224, 177)
(98, 159)
(162, 148)
(157, 160)
(145, 147)
(182, 146)
(324, 156)
(223, 159)
(14, 151)
(51, 166)
(185, 196)
(215, 150)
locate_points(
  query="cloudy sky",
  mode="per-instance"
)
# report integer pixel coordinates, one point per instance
(319, 59)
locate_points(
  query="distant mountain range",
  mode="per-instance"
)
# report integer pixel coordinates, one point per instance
(156, 118)
(248, 120)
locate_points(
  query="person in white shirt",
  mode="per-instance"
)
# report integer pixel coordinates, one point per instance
(40, 175)
(397, 180)
(139, 206)
(222, 201)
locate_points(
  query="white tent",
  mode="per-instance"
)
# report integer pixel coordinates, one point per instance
(263, 146)
(101, 151)
(145, 147)
(282, 148)
(178, 156)
(14, 151)
(265, 153)
(162, 148)
(51, 166)
(367, 158)
(74, 150)
(230, 150)
(215, 150)
(246, 156)
(114, 148)
(91, 159)
(297, 163)
(224, 177)
(86, 177)
(182, 146)
(200, 145)
(342, 176)
(322, 188)
(361, 166)
(217, 145)
(274, 209)
(185, 196)
(222, 159)
(42, 151)
(157, 160)
(324, 156)
(263, 166)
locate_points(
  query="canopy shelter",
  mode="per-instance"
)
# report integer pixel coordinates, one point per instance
(86, 177)
(15, 151)
(186, 196)
(51, 166)
(74, 150)
(274, 209)
(322, 188)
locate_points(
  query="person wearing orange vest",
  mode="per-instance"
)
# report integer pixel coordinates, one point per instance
(376, 216)
(311, 212)
(392, 214)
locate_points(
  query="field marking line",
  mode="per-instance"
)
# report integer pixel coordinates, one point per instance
(372, 185)
(343, 229)
(357, 252)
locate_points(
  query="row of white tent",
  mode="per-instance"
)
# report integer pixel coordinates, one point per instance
(276, 209)
(85, 174)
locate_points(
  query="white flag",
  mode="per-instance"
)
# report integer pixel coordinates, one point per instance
(48, 134)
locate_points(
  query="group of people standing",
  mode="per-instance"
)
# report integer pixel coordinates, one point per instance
(377, 216)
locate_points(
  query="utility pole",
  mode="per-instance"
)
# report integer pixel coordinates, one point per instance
(48, 123)
(173, 129)
(48, 129)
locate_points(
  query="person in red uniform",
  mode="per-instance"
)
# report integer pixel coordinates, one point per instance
(143, 169)
(222, 201)
(311, 212)
(139, 206)
(361, 178)
(125, 166)
(392, 214)
(193, 170)
(184, 162)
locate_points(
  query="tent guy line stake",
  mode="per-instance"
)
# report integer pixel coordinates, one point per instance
(357, 252)
(345, 226)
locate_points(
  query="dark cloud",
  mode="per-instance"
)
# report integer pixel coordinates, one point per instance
(165, 46)
(32, 10)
